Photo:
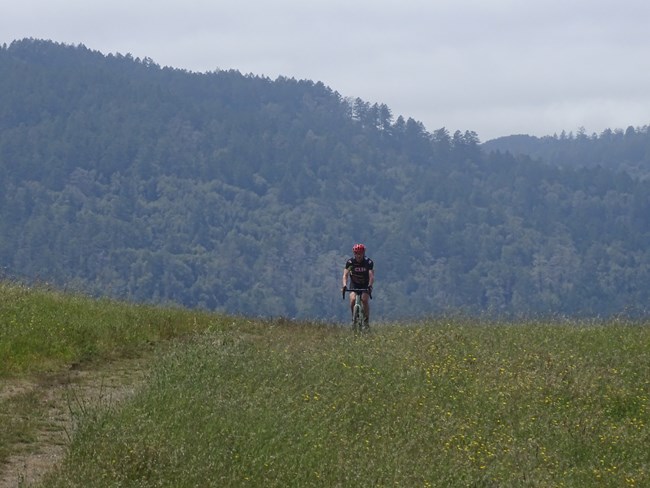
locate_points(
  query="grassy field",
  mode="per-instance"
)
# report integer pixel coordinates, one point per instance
(237, 402)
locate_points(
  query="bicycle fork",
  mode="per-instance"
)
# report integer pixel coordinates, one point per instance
(359, 319)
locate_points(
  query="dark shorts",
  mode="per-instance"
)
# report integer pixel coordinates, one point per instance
(353, 287)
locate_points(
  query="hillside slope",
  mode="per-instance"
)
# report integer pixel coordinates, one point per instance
(243, 194)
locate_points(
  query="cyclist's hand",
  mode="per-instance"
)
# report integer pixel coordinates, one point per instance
(370, 291)
(343, 290)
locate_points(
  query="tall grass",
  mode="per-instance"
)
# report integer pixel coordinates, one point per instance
(43, 329)
(432, 404)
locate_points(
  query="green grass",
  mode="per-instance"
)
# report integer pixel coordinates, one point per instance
(42, 330)
(437, 403)
(432, 405)
(20, 417)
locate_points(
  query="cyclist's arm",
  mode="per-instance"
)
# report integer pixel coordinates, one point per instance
(346, 273)
(371, 277)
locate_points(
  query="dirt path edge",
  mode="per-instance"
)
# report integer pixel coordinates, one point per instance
(61, 396)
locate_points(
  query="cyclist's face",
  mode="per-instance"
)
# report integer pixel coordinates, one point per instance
(358, 256)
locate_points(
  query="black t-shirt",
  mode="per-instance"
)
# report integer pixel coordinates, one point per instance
(359, 271)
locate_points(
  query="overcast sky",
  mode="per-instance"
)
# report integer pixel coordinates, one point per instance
(497, 67)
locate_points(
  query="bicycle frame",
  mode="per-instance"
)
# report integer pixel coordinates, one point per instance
(358, 316)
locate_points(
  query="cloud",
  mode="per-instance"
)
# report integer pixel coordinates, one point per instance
(494, 66)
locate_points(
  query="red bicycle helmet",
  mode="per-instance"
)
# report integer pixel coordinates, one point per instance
(359, 248)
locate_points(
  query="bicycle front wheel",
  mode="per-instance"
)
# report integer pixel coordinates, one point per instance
(357, 319)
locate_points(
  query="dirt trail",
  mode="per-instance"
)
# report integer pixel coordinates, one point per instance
(60, 398)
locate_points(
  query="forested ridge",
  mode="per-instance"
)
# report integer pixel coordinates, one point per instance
(239, 193)
(618, 150)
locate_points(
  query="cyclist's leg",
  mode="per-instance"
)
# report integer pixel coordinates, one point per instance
(353, 297)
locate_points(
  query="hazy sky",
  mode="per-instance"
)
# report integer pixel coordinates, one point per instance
(497, 67)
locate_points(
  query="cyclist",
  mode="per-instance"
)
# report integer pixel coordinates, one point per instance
(360, 270)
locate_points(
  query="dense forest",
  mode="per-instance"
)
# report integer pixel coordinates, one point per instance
(618, 150)
(238, 193)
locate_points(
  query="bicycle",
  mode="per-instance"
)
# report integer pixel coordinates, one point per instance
(359, 321)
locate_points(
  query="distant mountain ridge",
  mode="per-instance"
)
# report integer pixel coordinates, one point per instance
(244, 194)
(618, 150)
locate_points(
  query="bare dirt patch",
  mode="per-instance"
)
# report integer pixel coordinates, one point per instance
(61, 397)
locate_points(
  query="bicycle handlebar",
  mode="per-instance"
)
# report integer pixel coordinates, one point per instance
(355, 290)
